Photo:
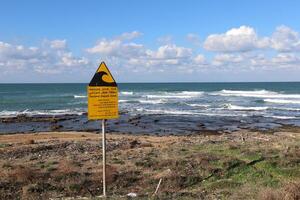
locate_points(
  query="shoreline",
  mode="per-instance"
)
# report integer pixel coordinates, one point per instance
(243, 164)
(150, 124)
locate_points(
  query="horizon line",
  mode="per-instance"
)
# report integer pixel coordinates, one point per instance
(157, 82)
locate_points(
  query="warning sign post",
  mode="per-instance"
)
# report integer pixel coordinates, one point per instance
(102, 95)
(103, 104)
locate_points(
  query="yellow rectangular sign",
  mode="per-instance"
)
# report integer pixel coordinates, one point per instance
(102, 102)
(102, 95)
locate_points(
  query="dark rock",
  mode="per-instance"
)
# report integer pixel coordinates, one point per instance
(134, 144)
(56, 127)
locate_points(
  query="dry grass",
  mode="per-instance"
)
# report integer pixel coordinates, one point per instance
(29, 141)
(191, 167)
(291, 191)
(23, 174)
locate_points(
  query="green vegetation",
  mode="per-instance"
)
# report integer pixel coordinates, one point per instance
(3, 145)
(197, 167)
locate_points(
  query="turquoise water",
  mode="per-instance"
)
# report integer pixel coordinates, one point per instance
(270, 100)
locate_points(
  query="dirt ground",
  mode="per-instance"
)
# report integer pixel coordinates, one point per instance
(68, 165)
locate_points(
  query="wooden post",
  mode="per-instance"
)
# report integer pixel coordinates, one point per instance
(104, 157)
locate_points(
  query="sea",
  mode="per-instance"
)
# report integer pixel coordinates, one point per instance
(176, 107)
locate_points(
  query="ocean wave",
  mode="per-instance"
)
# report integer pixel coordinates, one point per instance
(123, 101)
(282, 101)
(154, 101)
(79, 96)
(197, 105)
(186, 112)
(54, 95)
(283, 117)
(159, 101)
(126, 93)
(169, 112)
(223, 114)
(285, 109)
(241, 108)
(152, 96)
(6, 113)
(78, 103)
(256, 93)
(193, 93)
(128, 101)
(175, 95)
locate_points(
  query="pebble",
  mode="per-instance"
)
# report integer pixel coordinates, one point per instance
(132, 194)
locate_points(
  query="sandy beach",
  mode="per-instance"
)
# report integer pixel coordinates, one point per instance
(68, 165)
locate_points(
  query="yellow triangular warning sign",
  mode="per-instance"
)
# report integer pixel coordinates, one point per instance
(103, 77)
(102, 95)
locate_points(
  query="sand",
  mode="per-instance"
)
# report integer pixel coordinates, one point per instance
(241, 165)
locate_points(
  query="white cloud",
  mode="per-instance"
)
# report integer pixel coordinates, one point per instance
(252, 61)
(164, 58)
(121, 46)
(244, 39)
(52, 59)
(286, 59)
(235, 51)
(227, 59)
(132, 55)
(17, 51)
(199, 59)
(105, 47)
(67, 59)
(116, 48)
(285, 39)
(165, 39)
(170, 51)
(58, 44)
(129, 36)
(193, 38)
(240, 39)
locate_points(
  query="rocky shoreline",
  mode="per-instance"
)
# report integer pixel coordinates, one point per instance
(136, 124)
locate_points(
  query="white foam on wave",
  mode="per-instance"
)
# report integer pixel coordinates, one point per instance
(282, 101)
(283, 117)
(246, 91)
(286, 109)
(123, 101)
(167, 96)
(244, 108)
(169, 112)
(256, 93)
(79, 96)
(146, 101)
(185, 112)
(192, 93)
(159, 101)
(198, 105)
(77, 103)
(175, 95)
(126, 93)
(223, 114)
(6, 113)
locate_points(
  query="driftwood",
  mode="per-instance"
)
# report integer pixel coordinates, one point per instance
(157, 187)
(260, 138)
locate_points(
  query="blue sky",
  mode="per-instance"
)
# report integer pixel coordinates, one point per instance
(150, 41)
